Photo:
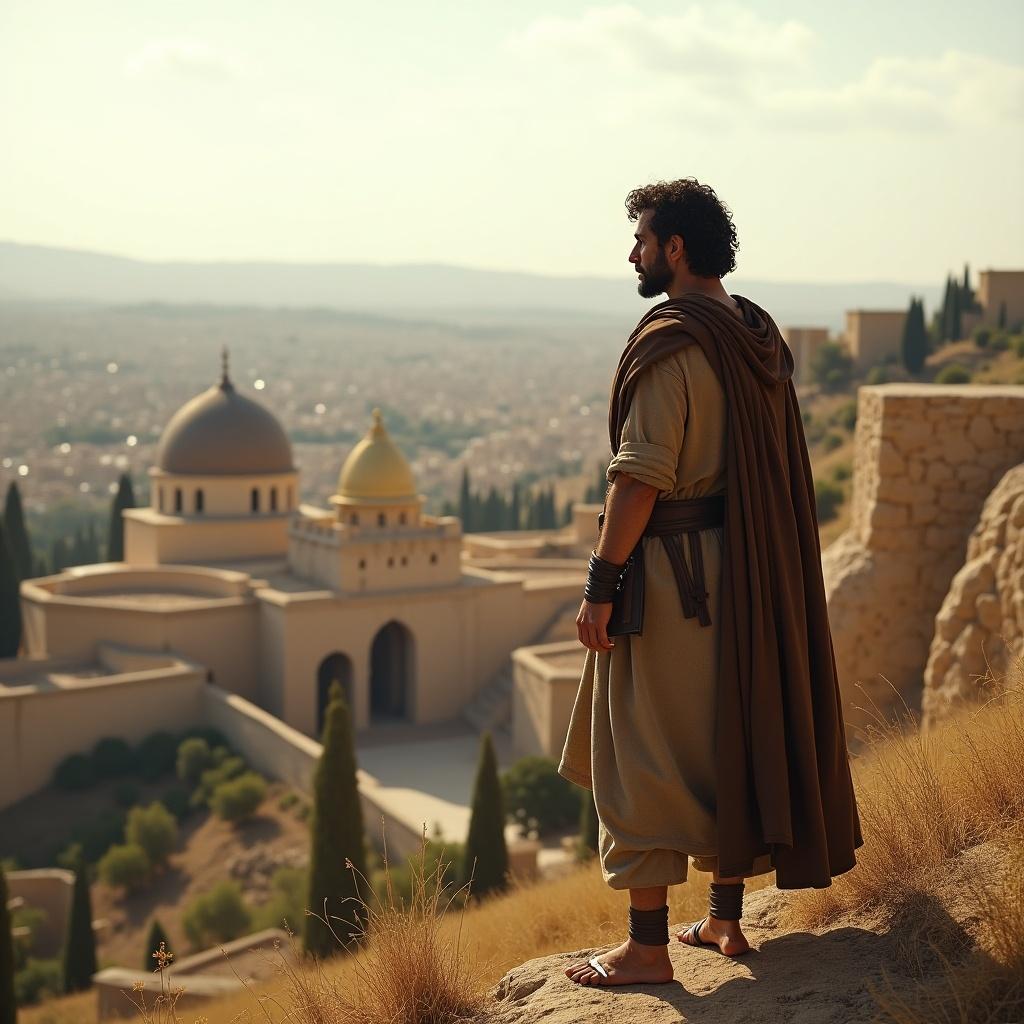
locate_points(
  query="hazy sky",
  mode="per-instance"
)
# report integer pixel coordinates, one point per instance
(853, 141)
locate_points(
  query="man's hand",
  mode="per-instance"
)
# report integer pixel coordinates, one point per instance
(592, 625)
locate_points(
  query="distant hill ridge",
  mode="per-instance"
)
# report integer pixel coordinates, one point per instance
(37, 273)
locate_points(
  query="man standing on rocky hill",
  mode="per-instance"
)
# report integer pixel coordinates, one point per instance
(710, 724)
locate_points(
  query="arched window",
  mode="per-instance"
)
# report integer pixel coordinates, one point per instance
(362, 563)
(177, 499)
(289, 499)
(354, 518)
(382, 519)
(254, 500)
(391, 563)
(433, 559)
(401, 518)
(273, 499)
(200, 502)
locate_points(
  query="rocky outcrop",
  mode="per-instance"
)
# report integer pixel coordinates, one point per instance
(926, 457)
(797, 976)
(979, 630)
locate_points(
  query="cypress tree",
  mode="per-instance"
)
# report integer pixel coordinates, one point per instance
(493, 512)
(125, 498)
(17, 532)
(955, 330)
(336, 835)
(153, 939)
(466, 503)
(485, 843)
(59, 554)
(516, 512)
(588, 822)
(915, 338)
(8, 1009)
(1002, 313)
(945, 317)
(10, 603)
(80, 941)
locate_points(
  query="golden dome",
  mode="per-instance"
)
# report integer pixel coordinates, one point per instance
(376, 472)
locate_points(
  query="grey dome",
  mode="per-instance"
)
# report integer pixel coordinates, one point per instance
(221, 432)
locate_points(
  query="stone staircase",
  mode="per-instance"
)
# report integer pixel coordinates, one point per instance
(491, 708)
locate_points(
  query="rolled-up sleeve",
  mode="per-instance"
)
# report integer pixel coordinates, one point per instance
(652, 436)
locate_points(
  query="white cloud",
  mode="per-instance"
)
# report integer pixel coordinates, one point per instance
(192, 58)
(718, 66)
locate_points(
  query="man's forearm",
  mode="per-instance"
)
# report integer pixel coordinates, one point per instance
(627, 509)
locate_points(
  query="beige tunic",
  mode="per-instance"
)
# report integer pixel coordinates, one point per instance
(641, 734)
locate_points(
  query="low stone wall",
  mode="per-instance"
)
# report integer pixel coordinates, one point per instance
(926, 458)
(546, 679)
(49, 890)
(979, 631)
(40, 725)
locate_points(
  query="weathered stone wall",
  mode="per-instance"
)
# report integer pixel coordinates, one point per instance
(926, 457)
(979, 631)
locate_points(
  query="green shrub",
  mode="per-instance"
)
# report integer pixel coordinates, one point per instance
(126, 794)
(1017, 344)
(441, 860)
(177, 802)
(287, 903)
(846, 415)
(225, 768)
(830, 442)
(877, 375)
(954, 373)
(124, 867)
(37, 980)
(288, 800)
(194, 758)
(214, 737)
(238, 798)
(827, 497)
(112, 757)
(156, 755)
(154, 829)
(841, 471)
(831, 366)
(219, 915)
(97, 835)
(534, 792)
(982, 336)
(75, 772)
(1000, 341)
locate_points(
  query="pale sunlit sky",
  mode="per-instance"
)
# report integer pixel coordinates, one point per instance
(853, 141)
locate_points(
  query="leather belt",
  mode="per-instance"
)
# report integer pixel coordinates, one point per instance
(670, 519)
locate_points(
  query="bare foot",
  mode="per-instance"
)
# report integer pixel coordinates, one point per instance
(632, 963)
(726, 935)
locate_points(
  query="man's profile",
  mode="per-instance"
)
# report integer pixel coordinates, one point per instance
(716, 732)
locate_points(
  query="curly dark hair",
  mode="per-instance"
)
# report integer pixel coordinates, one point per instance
(687, 208)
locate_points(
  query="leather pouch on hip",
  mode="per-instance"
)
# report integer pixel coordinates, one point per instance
(627, 616)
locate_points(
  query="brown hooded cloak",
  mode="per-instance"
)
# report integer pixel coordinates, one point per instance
(783, 775)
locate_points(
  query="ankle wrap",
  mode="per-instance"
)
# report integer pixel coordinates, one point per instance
(649, 927)
(726, 901)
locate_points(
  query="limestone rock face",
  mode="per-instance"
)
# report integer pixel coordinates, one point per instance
(980, 626)
(926, 457)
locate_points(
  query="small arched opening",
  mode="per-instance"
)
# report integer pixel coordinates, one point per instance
(336, 666)
(391, 661)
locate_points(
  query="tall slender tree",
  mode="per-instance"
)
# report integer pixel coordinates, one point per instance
(153, 939)
(10, 603)
(485, 855)
(8, 1008)
(466, 503)
(125, 498)
(17, 532)
(79, 940)
(336, 838)
(915, 337)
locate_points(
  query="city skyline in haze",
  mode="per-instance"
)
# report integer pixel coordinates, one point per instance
(865, 143)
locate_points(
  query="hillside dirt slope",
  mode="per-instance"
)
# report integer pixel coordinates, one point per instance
(824, 976)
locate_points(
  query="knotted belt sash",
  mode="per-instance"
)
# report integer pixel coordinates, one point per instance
(669, 520)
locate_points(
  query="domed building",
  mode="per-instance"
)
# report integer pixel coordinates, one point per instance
(274, 599)
(223, 485)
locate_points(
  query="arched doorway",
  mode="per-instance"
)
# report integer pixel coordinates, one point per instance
(391, 673)
(334, 666)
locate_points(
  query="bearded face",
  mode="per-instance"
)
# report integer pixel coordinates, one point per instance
(654, 279)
